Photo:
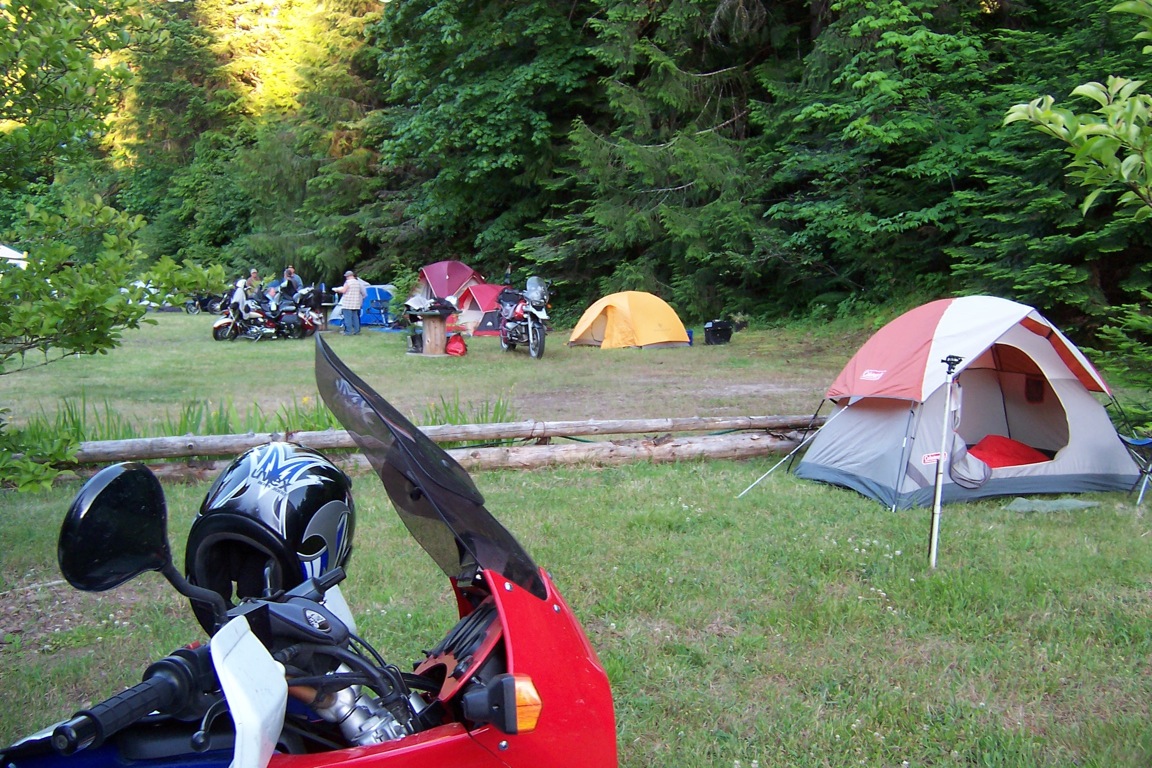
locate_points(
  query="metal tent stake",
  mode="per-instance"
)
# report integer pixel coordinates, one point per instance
(933, 545)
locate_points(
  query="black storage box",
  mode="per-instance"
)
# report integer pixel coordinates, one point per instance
(717, 332)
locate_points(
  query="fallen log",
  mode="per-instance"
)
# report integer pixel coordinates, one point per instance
(607, 453)
(189, 446)
(599, 453)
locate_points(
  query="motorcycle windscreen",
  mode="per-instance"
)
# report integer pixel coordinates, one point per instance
(433, 494)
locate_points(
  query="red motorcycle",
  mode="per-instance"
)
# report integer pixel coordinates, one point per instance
(285, 681)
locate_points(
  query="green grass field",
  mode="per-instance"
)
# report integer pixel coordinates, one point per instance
(796, 626)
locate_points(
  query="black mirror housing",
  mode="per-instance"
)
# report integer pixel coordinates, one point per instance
(115, 529)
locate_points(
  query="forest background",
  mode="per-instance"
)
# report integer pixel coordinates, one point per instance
(774, 159)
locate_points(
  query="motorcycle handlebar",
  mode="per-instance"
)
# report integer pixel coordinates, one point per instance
(167, 686)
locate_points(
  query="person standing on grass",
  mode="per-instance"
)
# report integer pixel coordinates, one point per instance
(351, 299)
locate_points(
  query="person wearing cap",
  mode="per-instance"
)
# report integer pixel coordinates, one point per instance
(253, 282)
(292, 282)
(351, 299)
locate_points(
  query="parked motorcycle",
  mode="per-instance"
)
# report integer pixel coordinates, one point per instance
(232, 320)
(283, 316)
(261, 317)
(308, 307)
(523, 315)
(204, 302)
(285, 681)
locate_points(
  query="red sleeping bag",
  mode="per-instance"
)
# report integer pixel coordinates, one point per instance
(1000, 451)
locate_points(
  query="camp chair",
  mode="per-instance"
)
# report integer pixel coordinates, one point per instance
(380, 307)
(1140, 449)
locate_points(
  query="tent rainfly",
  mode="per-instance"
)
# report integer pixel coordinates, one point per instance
(629, 319)
(1024, 413)
(479, 309)
(445, 279)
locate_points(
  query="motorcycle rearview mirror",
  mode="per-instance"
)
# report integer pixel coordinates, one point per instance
(117, 529)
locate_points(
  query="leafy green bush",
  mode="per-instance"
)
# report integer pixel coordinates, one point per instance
(29, 458)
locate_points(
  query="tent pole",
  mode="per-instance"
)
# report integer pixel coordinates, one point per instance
(804, 442)
(905, 450)
(811, 421)
(934, 540)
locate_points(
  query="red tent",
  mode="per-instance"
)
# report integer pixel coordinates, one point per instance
(445, 278)
(479, 309)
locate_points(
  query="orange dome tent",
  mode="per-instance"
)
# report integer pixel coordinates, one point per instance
(629, 319)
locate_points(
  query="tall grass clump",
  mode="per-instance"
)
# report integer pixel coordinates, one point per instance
(77, 420)
(309, 415)
(201, 417)
(451, 411)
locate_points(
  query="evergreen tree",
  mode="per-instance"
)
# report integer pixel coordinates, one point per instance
(656, 186)
(478, 95)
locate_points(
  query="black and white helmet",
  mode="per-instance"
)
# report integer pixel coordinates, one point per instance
(278, 514)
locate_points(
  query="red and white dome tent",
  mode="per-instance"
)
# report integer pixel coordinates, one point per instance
(1025, 414)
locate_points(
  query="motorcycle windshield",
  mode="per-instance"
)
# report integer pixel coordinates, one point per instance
(536, 290)
(432, 493)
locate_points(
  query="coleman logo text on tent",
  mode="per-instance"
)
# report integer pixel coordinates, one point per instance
(872, 375)
(932, 458)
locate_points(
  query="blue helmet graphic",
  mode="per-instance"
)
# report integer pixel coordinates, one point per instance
(278, 514)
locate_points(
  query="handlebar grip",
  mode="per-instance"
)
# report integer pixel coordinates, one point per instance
(168, 680)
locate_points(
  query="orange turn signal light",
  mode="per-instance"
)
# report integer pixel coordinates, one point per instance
(508, 701)
(528, 704)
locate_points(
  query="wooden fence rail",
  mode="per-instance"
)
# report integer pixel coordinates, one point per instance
(737, 437)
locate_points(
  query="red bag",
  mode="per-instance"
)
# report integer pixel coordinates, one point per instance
(456, 346)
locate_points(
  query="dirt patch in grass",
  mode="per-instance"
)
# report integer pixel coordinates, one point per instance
(35, 609)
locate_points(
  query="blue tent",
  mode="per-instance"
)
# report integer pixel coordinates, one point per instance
(374, 311)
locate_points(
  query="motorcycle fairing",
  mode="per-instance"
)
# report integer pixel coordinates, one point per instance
(432, 493)
(256, 691)
(544, 640)
(445, 745)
